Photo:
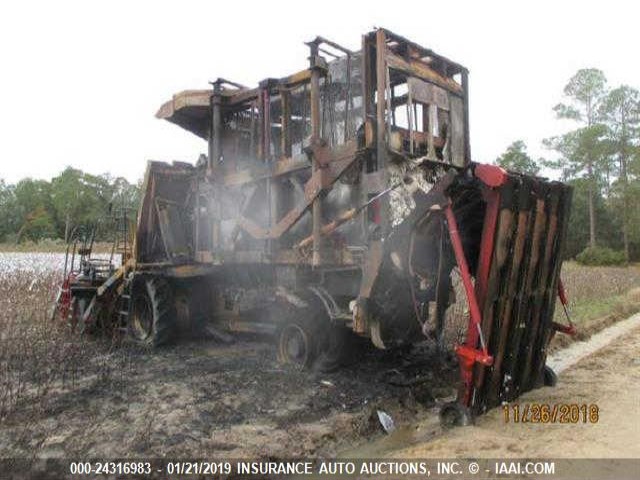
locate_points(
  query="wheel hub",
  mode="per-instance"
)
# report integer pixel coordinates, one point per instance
(295, 345)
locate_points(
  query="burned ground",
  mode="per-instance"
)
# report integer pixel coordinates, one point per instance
(198, 398)
(68, 396)
(65, 395)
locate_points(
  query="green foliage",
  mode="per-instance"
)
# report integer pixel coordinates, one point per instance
(517, 159)
(8, 211)
(583, 153)
(37, 226)
(578, 230)
(34, 210)
(600, 156)
(599, 256)
(584, 92)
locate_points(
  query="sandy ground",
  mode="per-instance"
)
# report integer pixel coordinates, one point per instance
(609, 378)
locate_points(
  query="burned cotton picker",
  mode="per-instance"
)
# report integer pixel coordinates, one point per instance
(335, 203)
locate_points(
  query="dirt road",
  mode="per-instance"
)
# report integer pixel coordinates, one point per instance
(609, 378)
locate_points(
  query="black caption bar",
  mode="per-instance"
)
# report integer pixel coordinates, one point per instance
(460, 469)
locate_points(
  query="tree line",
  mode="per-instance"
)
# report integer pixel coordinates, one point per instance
(32, 210)
(600, 157)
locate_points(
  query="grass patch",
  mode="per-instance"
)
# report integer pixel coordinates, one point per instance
(597, 291)
(592, 316)
(595, 308)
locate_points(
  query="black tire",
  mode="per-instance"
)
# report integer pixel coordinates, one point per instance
(453, 414)
(336, 349)
(549, 377)
(297, 344)
(79, 307)
(193, 300)
(152, 321)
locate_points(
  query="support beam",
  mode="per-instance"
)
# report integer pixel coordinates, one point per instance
(285, 137)
(465, 92)
(215, 133)
(315, 140)
(381, 121)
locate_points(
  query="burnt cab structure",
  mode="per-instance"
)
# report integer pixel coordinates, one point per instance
(336, 202)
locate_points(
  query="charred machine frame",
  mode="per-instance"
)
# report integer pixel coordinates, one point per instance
(335, 203)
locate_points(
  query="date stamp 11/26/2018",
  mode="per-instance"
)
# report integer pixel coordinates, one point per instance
(560, 413)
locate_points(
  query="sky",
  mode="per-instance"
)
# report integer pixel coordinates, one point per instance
(81, 81)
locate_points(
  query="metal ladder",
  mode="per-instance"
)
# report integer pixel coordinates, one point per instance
(124, 305)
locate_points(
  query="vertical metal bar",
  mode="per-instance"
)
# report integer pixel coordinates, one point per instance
(215, 155)
(126, 235)
(215, 134)
(381, 119)
(425, 117)
(411, 115)
(465, 89)
(381, 88)
(260, 127)
(367, 78)
(433, 123)
(486, 244)
(252, 134)
(285, 138)
(347, 99)
(285, 150)
(522, 342)
(315, 140)
(196, 227)
(266, 124)
(367, 109)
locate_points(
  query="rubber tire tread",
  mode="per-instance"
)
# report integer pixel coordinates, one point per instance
(164, 327)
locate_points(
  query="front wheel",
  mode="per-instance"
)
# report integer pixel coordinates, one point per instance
(153, 315)
(453, 414)
(550, 378)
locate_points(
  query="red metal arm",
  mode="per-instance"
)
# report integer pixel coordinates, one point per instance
(567, 329)
(468, 353)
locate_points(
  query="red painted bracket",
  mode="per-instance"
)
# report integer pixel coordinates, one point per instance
(64, 301)
(468, 353)
(566, 329)
(562, 293)
(473, 355)
(491, 175)
(558, 327)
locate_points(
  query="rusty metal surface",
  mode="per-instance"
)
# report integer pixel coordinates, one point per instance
(351, 181)
(300, 184)
(519, 296)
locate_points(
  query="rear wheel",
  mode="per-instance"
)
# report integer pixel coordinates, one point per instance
(337, 348)
(296, 344)
(308, 338)
(153, 316)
